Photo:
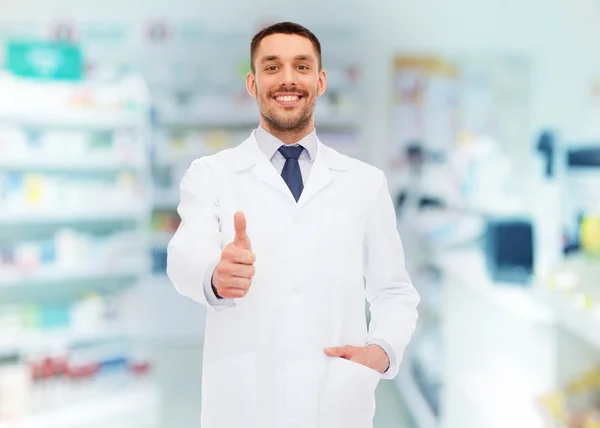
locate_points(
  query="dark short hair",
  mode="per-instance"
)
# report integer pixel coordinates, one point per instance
(284, 28)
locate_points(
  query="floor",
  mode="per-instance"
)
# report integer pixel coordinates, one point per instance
(177, 371)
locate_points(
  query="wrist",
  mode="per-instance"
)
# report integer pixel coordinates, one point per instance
(215, 289)
(384, 356)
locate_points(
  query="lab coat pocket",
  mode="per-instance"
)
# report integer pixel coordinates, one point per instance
(348, 399)
(229, 390)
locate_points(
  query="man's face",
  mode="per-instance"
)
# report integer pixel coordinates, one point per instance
(286, 81)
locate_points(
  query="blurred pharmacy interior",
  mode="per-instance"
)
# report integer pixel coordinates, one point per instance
(485, 115)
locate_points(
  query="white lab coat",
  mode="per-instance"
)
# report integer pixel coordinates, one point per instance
(264, 364)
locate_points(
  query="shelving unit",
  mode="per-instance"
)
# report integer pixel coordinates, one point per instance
(137, 402)
(65, 337)
(45, 116)
(508, 345)
(55, 276)
(75, 205)
(500, 345)
(23, 162)
(580, 322)
(64, 215)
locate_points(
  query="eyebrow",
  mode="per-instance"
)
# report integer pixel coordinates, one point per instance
(297, 58)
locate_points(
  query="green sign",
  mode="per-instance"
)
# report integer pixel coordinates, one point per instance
(44, 60)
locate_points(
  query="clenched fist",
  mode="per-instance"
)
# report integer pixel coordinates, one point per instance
(233, 275)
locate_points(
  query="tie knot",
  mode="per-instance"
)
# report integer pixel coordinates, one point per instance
(291, 151)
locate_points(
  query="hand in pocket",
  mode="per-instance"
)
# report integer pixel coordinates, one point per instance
(371, 356)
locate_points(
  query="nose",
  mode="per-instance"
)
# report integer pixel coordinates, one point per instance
(289, 77)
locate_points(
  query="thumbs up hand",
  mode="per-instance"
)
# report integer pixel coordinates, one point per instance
(233, 276)
(241, 239)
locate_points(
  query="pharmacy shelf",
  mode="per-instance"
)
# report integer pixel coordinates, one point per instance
(109, 408)
(466, 266)
(421, 412)
(52, 275)
(182, 158)
(73, 118)
(44, 162)
(166, 199)
(25, 341)
(582, 323)
(499, 346)
(32, 216)
(486, 390)
(536, 304)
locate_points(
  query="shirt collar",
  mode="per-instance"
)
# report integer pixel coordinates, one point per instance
(269, 144)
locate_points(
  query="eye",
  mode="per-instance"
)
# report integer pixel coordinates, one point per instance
(271, 68)
(303, 67)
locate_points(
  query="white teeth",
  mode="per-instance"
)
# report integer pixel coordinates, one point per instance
(288, 98)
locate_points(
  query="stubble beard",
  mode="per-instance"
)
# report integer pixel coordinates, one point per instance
(287, 128)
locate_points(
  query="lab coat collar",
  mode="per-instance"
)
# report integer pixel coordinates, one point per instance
(249, 156)
(269, 144)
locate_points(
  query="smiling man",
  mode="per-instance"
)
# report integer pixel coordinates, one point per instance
(282, 238)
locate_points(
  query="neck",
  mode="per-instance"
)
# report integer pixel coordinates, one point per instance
(288, 136)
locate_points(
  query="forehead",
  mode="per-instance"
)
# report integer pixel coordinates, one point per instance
(285, 46)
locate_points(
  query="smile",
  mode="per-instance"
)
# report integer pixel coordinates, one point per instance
(288, 100)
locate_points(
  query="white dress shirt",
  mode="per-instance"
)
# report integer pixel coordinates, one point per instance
(269, 146)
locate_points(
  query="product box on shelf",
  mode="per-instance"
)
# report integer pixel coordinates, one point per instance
(576, 405)
(23, 147)
(70, 252)
(57, 355)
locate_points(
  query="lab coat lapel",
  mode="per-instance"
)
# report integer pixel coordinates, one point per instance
(266, 172)
(326, 160)
(320, 176)
(250, 156)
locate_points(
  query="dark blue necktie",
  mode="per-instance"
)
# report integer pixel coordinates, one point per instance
(291, 170)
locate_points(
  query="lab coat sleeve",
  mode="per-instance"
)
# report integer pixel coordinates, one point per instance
(209, 293)
(195, 248)
(392, 297)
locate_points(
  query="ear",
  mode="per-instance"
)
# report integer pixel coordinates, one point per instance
(322, 82)
(251, 84)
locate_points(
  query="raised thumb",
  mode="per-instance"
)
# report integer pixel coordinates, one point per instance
(241, 237)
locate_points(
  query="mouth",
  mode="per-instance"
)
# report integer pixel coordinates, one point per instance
(288, 99)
